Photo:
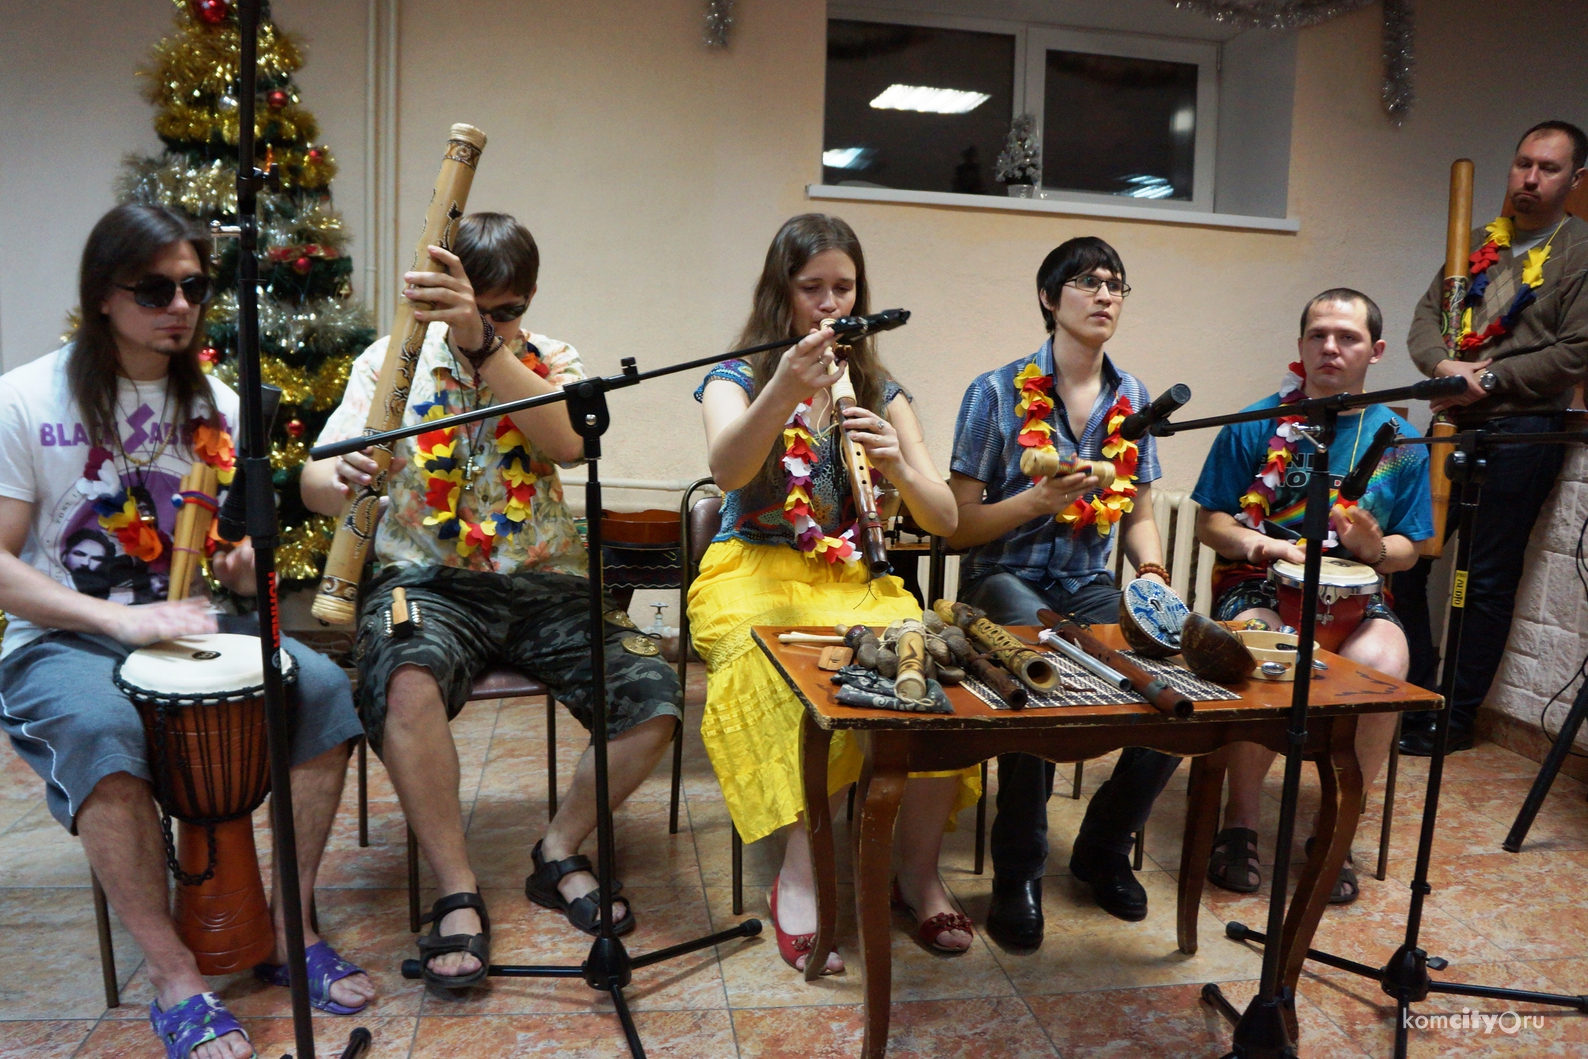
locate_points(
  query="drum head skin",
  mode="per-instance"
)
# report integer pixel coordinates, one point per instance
(1151, 617)
(210, 664)
(1354, 578)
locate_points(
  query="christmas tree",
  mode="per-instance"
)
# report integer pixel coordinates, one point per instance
(310, 328)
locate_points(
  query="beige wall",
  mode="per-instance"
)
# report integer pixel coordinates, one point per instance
(654, 172)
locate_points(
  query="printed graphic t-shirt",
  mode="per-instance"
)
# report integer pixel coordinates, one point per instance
(47, 459)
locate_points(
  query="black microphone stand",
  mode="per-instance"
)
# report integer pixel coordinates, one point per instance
(260, 522)
(1405, 977)
(608, 966)
(1264, 1030)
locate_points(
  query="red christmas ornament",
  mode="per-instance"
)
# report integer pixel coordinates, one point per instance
(210, 12)
(302, 265)
(209, 355)
(277, 98)
(295, 428)
(315, 154)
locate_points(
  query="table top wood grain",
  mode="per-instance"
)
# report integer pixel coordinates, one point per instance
(1346, 687)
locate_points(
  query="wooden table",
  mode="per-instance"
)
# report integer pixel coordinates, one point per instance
(897, 743)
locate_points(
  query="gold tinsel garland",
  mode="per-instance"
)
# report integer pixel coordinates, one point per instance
(298, 554)
(324, 387)
(200, 62)
(207, 189)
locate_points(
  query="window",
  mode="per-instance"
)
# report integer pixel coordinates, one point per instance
(918, 107)
(925, 102)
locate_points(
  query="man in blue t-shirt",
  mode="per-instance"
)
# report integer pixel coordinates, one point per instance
(1252, 516)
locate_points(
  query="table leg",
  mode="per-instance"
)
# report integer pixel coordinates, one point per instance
(1341, 794)
(883, 778)
(1196, 847)
(814, 741)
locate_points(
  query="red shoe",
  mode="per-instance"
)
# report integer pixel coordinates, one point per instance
(926, 933)
(791, 946)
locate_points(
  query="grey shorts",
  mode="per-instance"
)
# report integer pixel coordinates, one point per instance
(537, 623)
(69, 721)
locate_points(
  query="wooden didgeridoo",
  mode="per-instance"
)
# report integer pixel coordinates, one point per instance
(338, 596)
(1160, 693)
(984, 669)
(868, 521)
(1458, 280)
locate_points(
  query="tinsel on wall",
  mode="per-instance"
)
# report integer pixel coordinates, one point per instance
(310, 328)
(1293, 14)
(719, 20)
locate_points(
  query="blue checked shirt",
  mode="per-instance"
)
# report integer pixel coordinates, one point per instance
(1043, 551)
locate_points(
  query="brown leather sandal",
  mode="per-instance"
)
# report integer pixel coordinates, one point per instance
(926, 933)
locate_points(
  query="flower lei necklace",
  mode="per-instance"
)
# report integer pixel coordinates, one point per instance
(799, 459)
(1257, 503)
(1500, 234)
(1107, 506)
(118, 509)
(443, 467)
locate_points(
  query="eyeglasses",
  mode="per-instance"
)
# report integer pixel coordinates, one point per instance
(506, 314)
(1089, 284)
(157, 292)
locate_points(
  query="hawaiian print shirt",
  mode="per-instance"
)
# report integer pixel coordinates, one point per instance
(549, 541)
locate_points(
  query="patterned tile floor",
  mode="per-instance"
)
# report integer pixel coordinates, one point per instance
(1097, 988)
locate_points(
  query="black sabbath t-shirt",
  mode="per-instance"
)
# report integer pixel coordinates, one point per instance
(102, 514)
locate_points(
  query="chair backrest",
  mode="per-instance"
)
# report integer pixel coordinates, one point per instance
(705, 519)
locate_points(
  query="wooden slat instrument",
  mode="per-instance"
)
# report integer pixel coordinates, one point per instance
(193, 520)
(344, 567)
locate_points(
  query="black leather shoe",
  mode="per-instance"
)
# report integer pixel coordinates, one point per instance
(1015, 915)
(1114, 885)
(1419, 741)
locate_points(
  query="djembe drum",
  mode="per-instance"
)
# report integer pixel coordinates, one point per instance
(203, 708)
(1344, 591)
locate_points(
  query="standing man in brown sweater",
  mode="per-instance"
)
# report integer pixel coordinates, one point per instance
(1524, 345)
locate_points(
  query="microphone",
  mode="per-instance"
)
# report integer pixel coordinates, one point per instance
(1355, 483)
(861, 326)
(1138, 423)
(1430, 389)
(232, 522)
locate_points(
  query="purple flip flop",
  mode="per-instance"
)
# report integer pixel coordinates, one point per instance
(197, 1020)
(324, 967)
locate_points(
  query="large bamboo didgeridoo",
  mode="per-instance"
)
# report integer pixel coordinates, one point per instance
(338, 596)
(1458, 280)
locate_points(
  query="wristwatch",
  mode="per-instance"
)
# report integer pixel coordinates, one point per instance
(1488, 380)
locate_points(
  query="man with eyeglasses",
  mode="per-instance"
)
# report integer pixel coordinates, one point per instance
(1045, 545)
(477, 536)
(94, 441)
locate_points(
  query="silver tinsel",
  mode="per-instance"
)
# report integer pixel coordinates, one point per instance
(1293, 14)
(719, 19)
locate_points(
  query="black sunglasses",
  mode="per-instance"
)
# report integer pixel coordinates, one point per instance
(157, 292)
(506, 314)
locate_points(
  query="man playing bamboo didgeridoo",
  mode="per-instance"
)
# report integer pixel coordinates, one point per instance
(478, 539)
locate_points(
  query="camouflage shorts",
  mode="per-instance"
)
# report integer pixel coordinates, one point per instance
(535, 622)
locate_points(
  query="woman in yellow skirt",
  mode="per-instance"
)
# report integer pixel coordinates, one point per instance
(785, 556)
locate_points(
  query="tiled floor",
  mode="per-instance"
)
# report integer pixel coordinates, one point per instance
(1097, 988)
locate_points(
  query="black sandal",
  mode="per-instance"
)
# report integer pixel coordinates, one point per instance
(437, 944)
(583, 912)
(1234, 849)
(1347, 887)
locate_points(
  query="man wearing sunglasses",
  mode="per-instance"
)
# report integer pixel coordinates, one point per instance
(1045, 545)
(94, 441)
(477, 535)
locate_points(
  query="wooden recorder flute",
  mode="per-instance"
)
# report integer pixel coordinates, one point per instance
(337, 600)
(868, 522)
(1160, 693)
(1458, 246)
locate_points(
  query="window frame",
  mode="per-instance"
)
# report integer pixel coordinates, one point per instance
(1032, 42)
